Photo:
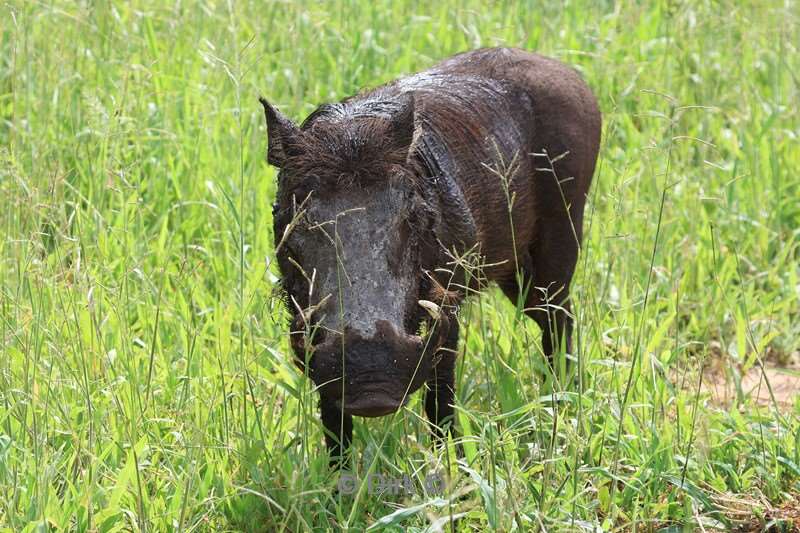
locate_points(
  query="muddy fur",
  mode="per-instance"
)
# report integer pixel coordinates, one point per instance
(491, 151)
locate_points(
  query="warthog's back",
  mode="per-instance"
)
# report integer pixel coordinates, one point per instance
(490, 115)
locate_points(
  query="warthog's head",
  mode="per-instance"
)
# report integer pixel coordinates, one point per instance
(354, 240)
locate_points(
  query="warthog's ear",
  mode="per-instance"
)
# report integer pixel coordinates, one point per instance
(404, 128)
(402, 124)
(281, 134)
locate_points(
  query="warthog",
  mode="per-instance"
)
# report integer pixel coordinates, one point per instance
(380, 197)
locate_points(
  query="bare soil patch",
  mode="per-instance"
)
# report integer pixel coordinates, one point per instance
(759, 385)
(783, 518)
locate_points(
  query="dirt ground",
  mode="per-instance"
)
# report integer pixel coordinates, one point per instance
(756, 385)
(774, 385)
(760, 385)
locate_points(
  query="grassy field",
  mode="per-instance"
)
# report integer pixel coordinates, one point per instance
(146, 382)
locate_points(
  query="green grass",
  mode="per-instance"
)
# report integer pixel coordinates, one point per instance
(145, 377)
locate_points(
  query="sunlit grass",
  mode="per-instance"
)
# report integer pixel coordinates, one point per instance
(145, 376)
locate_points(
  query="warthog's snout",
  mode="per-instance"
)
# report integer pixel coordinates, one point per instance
(370, 376)
(372, 403)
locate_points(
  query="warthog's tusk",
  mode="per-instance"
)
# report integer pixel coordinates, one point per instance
(432, 309)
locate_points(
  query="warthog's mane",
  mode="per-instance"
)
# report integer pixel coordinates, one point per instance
(342, 145)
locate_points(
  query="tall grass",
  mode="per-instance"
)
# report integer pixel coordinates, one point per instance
(145, 377)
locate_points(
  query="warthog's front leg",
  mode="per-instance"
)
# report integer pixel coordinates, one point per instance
(440, 396)
(338, 429)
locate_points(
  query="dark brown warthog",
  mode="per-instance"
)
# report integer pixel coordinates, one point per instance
(378, 193)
